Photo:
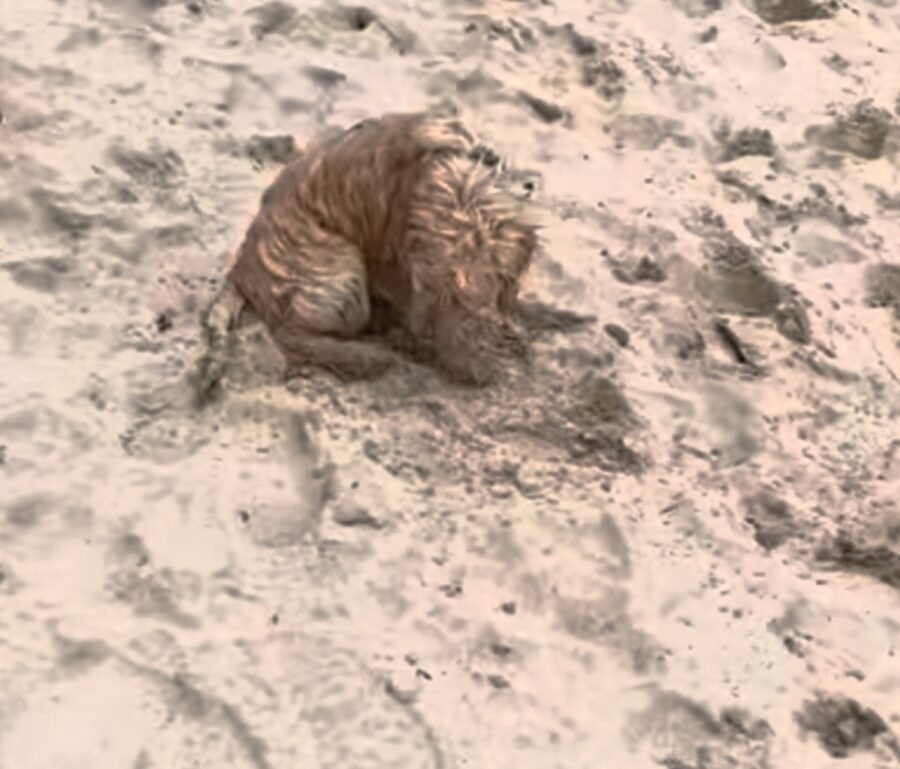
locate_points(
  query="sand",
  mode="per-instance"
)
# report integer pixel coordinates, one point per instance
(674, 541)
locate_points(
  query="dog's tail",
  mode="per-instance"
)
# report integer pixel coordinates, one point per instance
(217, 323)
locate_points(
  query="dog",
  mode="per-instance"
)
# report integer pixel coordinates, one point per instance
(394, 225)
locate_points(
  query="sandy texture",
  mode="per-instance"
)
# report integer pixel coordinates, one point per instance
(675, 542)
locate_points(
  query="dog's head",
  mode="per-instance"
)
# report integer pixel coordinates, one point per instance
(476, 244)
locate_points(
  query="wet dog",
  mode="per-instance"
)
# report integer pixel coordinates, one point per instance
(396, 224)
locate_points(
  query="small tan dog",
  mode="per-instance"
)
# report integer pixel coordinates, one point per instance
(393, 224)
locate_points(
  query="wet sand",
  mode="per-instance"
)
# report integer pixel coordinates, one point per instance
(674, 542)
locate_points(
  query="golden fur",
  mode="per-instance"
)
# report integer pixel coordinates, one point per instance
(393, 222)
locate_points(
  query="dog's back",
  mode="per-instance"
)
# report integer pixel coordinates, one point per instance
(358, 183)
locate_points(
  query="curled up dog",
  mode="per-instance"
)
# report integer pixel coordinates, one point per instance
(393, 228)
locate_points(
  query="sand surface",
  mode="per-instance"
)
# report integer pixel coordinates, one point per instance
(675, 542)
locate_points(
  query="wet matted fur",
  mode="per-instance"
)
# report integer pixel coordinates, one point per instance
(394, 223)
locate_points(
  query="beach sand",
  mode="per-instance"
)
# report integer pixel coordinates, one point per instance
(673, 542)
